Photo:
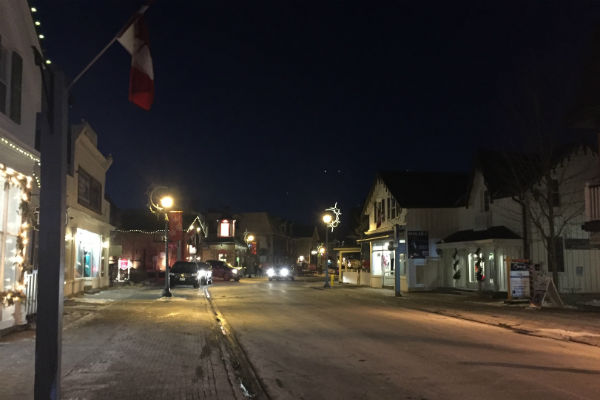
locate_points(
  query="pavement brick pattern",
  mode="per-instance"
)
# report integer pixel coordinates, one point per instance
(136, 349)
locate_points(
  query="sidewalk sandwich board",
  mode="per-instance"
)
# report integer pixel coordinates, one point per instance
(519, 278)
(544, 291)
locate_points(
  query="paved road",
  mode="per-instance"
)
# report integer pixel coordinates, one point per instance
(293, 340)
(308, 343)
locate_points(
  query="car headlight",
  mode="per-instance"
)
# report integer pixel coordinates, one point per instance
(235, 271)
(270, 272)
(284, 272)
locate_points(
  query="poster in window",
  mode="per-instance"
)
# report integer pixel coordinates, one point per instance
(418, 244)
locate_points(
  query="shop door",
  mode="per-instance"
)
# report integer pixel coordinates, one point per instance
(387, 267)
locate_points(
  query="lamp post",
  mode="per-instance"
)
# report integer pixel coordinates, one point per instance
(162, 206)
(327, 220)
(331, 219)
(249, 238)
(166, 202)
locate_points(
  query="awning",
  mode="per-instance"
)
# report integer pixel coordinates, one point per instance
(378, 236)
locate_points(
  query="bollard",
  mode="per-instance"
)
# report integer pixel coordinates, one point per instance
(332, 276)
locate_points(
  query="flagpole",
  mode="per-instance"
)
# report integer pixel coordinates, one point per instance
(131, 21)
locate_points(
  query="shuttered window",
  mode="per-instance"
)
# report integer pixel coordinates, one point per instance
(3, 77)
(89, 191)
(16, 80)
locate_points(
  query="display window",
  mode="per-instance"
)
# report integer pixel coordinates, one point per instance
(381, 259)
(89, 249)
(10, 223)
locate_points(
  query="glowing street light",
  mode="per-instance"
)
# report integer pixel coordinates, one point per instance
(249, 238)
(331, 219)
(166, 202)
(162, 206)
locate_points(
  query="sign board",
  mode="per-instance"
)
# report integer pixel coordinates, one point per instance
(544, 291)
(519, 275)
(418, 244)
(124, 263)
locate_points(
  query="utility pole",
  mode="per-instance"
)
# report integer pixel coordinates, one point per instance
(396, 263)
(48, 341)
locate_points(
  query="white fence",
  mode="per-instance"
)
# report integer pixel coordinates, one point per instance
(31, 291)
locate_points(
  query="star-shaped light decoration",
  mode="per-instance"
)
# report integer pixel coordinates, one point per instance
(335, 221)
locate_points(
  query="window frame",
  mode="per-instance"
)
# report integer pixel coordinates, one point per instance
(93, 200)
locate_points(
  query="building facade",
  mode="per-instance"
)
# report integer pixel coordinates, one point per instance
(20, 103)
(224, 240)
(272, 243)
(87, 235)
(408, 213)
(461, 231)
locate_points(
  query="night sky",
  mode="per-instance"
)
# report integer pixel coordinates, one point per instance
(288, 107)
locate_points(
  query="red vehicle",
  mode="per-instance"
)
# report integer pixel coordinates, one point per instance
(225, 271)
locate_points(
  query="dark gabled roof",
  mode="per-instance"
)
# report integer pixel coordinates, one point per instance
(500, 168)
(508, 173)
(418, 189)
(470, 235)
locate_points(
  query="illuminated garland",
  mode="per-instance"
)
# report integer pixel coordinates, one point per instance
(15, 178)
(18, 149)
(139, 231)
(9, 297)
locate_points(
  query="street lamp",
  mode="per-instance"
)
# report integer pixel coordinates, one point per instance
(249, 238)
(331, 219)
(166, 202)
(162, 206)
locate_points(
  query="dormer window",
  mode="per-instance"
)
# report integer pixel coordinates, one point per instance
(226, 228)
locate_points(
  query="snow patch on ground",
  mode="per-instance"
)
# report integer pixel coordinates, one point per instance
(171, 299)
(593, 303)
(92, 300)
(566, 333)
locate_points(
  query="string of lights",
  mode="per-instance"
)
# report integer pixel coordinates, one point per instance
(18, 149)
(37, 24)
(139, 231)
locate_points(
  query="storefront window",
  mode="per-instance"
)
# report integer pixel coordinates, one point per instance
(10, 268)
(472, 267)
(382, 260)
(13, 217)
(10, 222)
(89, 247)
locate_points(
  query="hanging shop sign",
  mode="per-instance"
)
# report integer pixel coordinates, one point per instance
(418, 244)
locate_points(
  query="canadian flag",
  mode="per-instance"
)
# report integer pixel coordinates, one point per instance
(141, 78)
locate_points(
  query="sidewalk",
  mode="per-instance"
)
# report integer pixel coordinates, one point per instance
(567, 324)
(129, 344)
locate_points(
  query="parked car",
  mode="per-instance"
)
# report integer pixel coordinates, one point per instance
(224, 270)
(281, 272)
(193, 273)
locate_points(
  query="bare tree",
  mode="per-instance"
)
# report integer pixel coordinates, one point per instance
(540, 169)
